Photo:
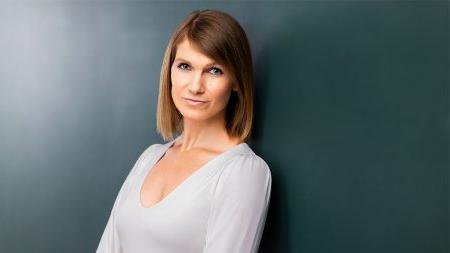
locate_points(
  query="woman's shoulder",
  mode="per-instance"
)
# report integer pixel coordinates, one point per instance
(246, 177)
(146, 154)
(149, 152)
(247, 164)
(249, 156)
(151, 149)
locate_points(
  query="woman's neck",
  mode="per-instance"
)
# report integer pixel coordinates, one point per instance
(207, 135)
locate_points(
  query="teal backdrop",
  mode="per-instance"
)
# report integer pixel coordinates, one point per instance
(352, 116)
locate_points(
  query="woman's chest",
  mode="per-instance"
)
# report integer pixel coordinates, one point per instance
(180, 220)
(165, 176)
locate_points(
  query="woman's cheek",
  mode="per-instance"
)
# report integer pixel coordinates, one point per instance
(175, 78)
(222, 94)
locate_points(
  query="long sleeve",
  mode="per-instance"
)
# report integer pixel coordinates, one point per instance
(109, 242)
(239, 206)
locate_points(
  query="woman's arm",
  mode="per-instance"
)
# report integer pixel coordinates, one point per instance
(239, 206)
(109, 242)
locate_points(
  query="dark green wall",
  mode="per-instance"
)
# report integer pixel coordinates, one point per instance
(352, 102)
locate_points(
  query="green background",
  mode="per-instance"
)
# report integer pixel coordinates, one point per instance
(352, 116)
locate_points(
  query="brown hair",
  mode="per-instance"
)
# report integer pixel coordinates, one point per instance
(220, 37)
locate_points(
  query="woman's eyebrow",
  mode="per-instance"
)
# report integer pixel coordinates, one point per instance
(207, 65)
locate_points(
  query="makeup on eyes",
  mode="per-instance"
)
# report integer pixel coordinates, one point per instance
(219, 71)
(212, 65)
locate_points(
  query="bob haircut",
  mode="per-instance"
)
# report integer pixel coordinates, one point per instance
(220, 37)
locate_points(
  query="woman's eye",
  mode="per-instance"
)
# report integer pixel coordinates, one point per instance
(217, 71)
(182, 64)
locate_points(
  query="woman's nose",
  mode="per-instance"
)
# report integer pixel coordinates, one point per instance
(196, 84)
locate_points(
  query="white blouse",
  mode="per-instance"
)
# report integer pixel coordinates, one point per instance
(220, 208)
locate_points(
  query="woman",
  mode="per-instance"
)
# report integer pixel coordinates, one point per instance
(205, 191)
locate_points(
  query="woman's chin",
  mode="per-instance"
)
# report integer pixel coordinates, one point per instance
(195, 115)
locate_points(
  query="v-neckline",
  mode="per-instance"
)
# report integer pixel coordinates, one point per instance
(158, 157)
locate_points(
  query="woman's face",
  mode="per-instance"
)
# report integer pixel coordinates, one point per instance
(196, 76)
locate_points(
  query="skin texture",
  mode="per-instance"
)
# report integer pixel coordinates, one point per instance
(204, 135)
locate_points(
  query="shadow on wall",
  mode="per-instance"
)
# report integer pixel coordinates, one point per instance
(350, 97)
(276, 232)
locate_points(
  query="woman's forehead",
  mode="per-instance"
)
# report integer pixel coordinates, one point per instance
(190, 53)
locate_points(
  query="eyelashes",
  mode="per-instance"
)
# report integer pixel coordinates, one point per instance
(182, 64)
(217, 71)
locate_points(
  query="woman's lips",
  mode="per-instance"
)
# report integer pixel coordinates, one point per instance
(194, 102)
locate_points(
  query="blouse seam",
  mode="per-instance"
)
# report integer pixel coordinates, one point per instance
(215, 189)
